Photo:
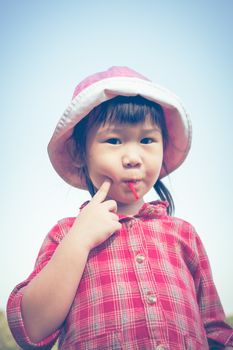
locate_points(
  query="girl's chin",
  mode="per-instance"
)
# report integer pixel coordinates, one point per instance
(127, 198)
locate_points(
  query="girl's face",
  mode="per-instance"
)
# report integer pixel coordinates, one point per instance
(125, 153)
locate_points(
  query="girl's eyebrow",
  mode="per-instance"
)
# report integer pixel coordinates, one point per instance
(119, 130)
(152, 129)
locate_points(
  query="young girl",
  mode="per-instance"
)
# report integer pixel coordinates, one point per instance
(124, 274)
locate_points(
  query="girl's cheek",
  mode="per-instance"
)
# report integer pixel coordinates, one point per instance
(151, 173)
(152, 176)
(108, 169)
(98, 179)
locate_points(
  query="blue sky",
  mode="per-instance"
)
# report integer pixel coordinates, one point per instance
(47, 47)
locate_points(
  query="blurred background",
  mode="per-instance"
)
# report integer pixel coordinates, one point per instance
(47, 47)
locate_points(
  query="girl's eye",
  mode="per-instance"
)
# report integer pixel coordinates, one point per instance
(147, 140)
(113, 141)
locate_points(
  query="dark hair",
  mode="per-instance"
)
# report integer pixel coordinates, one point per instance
(123, 109)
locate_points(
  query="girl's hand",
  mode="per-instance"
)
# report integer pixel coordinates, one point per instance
(98, 220)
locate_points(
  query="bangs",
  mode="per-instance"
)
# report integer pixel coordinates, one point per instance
(127, 110)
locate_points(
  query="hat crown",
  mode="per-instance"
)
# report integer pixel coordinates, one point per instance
(112, 72)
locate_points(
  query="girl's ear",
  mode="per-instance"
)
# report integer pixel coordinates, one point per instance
(78, 162)
(77, 157)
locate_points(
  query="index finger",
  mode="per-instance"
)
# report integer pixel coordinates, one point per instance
(102, 192)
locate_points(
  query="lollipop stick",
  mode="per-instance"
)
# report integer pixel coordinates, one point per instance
(132, 188)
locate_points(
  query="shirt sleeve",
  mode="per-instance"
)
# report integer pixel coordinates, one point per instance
(218, 332)
(14, 314)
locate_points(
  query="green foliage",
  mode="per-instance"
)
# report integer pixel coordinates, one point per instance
(230, 320)
(55, 347)
(6, 340)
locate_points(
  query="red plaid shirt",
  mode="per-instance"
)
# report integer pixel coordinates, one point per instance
(149, 286)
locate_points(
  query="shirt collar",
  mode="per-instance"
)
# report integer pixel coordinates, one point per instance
(151, 210)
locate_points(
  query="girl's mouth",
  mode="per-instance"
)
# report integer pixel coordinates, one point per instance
(134, 181)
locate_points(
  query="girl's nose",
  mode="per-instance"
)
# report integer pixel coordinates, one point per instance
(131, 160)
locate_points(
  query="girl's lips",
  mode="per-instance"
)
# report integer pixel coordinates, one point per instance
(132, 181)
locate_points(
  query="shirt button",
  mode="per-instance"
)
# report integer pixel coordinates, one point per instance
(151, 299)
(161, 347)
(140, 258)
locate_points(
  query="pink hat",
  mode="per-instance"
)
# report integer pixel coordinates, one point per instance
(103, 86)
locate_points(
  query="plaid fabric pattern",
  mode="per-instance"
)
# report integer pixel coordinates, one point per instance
(149, 286)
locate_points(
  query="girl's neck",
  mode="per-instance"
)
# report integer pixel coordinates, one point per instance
(130, 209)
